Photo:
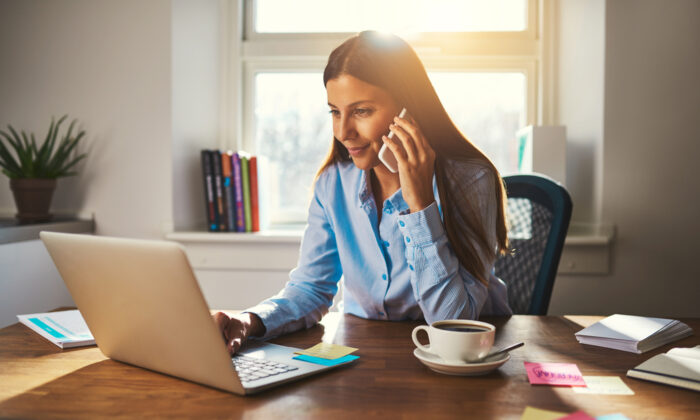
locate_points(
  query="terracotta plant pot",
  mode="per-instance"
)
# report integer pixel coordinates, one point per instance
(33, 198)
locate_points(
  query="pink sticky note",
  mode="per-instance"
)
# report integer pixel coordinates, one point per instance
(579, 415)
(566, 374)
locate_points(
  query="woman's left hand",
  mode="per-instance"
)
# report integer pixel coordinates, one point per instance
(416, 161)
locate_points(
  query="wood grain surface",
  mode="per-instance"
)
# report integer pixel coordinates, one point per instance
(39, 380)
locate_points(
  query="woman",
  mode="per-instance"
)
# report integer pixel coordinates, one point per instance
(420, 243)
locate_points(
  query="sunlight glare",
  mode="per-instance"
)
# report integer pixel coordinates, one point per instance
(397, 16)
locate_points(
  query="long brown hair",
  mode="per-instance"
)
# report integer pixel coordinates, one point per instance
(388, 62)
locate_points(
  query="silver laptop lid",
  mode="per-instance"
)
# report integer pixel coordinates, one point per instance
(143, 305)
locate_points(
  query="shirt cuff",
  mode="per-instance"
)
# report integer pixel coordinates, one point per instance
(422, 227)
(266, 312)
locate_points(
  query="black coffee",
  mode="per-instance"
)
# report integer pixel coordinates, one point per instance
(461, 328)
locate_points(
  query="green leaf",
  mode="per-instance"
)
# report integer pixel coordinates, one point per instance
(51, 159)
(28, 158)
(15, 139)
(64, 151)
(53, 137)
(45, 150)
(6, 156)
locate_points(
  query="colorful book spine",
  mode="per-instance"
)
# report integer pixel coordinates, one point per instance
(218, 181)
(238, 183)
(245, 175)
(229, 194)
(255, 216)
(209, 198)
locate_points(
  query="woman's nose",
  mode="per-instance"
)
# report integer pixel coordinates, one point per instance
(345, 129)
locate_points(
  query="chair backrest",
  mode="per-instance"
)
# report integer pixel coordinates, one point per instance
(538, 214)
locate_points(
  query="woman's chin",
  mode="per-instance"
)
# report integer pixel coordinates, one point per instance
(365, 163)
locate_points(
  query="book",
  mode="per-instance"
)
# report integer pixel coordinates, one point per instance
(208, 175)
(679, 367)
(636, 334)
(229, 194)
(65, 329)
(237, 181)
(254, 208)
(218, 182)
(245, 176)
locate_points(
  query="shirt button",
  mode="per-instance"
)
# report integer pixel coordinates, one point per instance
(387, 210)
(383, 276)
(410, 267)
(386, 243)
(408, 240)
(401, 223)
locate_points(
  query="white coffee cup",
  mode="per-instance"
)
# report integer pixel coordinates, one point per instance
(457, 340)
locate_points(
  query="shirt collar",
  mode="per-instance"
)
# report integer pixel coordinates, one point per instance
(365, 198)
(364, 195)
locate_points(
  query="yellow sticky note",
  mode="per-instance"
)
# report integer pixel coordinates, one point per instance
(327, 351)
(608, 385)
(532, 413)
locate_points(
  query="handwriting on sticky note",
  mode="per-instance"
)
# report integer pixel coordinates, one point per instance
(532, 413)
(608, 385)
(563, 374)
(327, 351)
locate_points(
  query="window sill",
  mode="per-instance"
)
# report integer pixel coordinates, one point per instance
(11, 231)
(586, 249)
(268, 236)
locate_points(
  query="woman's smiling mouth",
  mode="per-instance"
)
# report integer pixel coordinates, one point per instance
(355, 151)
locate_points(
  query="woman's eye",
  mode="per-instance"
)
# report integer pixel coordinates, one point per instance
(334, 112)
(363, 112)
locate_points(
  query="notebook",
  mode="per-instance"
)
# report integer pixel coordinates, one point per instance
(65, 329)
(142, 303)
(679, 367)
(636, 334)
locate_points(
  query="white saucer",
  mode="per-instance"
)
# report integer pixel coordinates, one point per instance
(436, 364)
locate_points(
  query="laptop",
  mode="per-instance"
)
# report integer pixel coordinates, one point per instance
(142, 303)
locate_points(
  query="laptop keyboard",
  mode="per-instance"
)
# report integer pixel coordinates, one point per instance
(251, 369)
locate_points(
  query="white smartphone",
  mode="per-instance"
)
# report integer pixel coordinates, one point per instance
(386, 156)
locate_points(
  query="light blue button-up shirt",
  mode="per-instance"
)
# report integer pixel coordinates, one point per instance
(398, 268)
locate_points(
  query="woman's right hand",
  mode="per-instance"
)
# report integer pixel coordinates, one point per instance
(236, 329)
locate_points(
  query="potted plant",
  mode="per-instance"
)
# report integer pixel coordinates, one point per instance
(33, 169)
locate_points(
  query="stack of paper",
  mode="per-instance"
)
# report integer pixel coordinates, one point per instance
(678, 367)
(64, 328)
(635, 334)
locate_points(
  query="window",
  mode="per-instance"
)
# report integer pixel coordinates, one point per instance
(284, 16)
(481, 55)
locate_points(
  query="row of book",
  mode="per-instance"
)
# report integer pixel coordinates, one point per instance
(231, 191)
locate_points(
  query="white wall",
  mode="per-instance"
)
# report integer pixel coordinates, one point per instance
(580, 89)
(29, 282)
(108, 64)
(196, 67)
(650, 151)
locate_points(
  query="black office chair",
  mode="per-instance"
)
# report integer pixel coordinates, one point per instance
(538, 214)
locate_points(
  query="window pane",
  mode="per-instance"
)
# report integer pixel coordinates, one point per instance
(489, 108)
(398, 16)
(293, 131)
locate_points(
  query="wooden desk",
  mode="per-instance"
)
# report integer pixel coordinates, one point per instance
(39, 380)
